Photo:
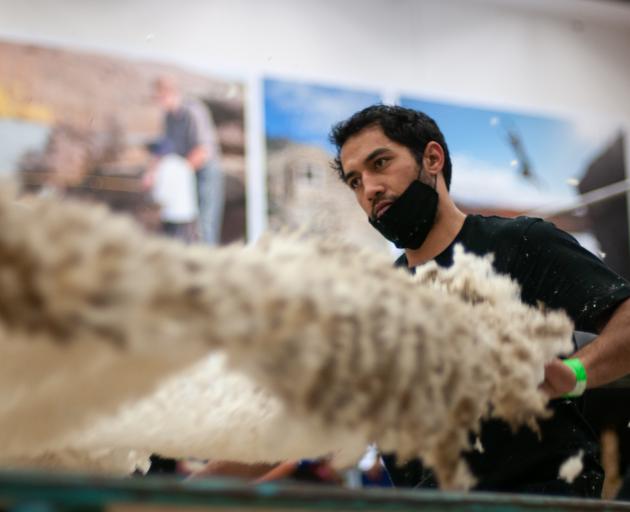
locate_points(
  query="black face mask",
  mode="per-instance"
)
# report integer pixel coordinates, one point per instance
(409, 219)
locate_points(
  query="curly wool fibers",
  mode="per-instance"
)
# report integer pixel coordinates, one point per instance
(100, 326)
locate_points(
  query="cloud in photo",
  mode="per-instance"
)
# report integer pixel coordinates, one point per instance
(482, 184)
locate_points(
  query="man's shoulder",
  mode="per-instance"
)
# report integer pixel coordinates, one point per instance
(194, 107)
(187, 109)
(533, 231)
(504, 224)
(505, 238)
(501, 228)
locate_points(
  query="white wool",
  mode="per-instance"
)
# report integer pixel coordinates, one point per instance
(572, 467)
(210, 412)
(47, 389)
(333, 347)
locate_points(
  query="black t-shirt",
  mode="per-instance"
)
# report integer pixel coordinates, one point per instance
(552, 268)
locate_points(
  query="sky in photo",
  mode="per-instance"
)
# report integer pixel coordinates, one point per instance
(304, 113)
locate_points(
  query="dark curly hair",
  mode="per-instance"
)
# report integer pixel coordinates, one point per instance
(408, 127)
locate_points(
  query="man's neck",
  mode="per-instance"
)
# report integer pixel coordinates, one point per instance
(176, 105)
(448, 224)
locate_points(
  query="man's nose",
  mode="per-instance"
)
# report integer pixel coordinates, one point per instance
(373, 188)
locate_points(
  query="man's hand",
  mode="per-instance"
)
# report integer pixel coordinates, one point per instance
(559, 379)
(148, 179)
(198, 157)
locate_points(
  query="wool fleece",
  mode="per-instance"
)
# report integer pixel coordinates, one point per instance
(115, 344)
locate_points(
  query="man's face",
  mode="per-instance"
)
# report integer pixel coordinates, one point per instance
(377, 169)
(165, 97)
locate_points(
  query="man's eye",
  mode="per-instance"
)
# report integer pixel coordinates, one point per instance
(353, 183)
(379, 163)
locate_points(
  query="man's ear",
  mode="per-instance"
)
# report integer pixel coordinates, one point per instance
(433, 158)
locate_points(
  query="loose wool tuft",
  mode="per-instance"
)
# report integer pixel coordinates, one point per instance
(105, 336)
(571, 468)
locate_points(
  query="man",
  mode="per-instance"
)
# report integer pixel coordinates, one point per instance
(189, 128)
(397, 163)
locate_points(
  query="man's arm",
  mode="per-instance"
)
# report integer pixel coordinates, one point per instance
(202, 133)
(606, 359)
(198, 156)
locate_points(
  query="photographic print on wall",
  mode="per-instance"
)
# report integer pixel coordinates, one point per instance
(303, 190)
(91, 125)
(519, 163)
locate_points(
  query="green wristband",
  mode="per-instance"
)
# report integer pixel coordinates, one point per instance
(580, 377)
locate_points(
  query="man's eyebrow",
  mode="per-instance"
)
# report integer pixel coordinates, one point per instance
(376, 153)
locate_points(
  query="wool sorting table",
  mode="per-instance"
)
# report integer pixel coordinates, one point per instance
(45, 492)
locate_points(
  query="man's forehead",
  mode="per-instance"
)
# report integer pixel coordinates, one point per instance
(360, 145)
